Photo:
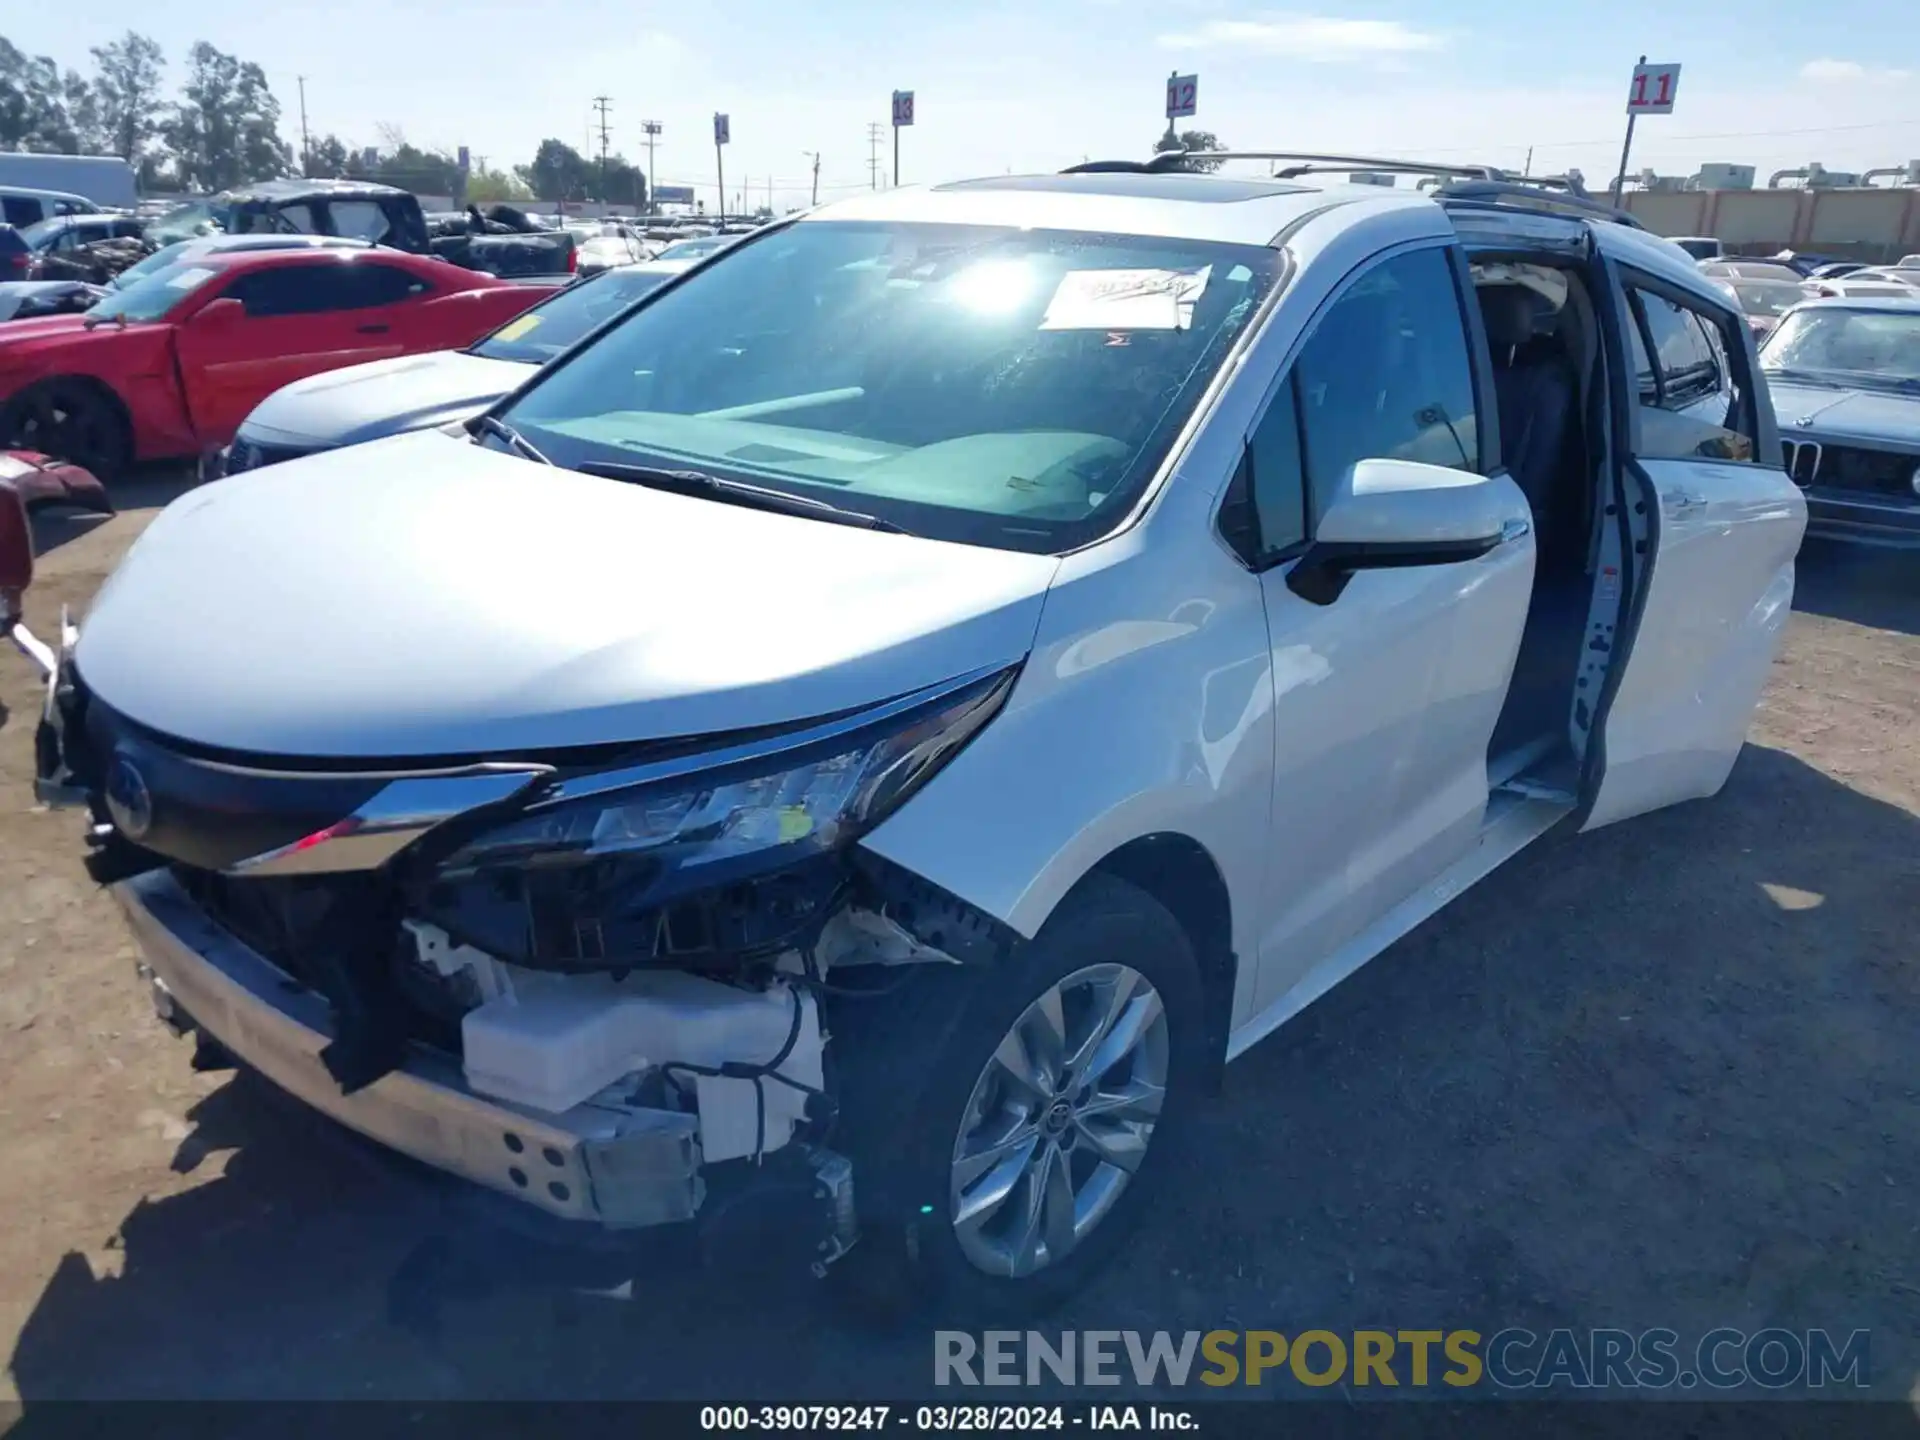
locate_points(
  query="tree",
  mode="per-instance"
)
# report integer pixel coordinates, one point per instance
(225, 129)
(1192, 140)
(126, 93)
(624, 184)
(33, 103)
(491, 187)
(327, 158)
(425, 172)
(558, 172)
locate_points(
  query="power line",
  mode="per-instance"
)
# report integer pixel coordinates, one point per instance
(1704, 135)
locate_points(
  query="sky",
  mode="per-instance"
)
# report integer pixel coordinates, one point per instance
(1024, 85)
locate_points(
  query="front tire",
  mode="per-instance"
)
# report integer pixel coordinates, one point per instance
(71, 420)
(1053, 1093)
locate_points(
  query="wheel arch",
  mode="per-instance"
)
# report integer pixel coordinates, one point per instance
(79, 379)
(1180, 874)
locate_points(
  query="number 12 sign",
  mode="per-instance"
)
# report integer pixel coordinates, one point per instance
(1653, 89)
(1183, 96)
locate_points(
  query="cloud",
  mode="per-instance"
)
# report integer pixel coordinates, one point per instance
(1839, 72)
(1320, 38)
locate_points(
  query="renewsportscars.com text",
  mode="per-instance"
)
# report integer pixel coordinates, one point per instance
(1512, 1358)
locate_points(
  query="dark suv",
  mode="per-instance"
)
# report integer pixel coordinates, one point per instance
(358, 209)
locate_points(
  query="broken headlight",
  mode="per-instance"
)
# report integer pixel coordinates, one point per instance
(717, 856)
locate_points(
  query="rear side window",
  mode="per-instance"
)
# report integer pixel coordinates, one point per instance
(359, 219)
(20, 211)
(1696, 399)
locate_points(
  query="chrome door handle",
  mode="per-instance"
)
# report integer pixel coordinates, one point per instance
(1511, 530)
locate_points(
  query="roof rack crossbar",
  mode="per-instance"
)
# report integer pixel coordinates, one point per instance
(1307, 162)
(1529, 194)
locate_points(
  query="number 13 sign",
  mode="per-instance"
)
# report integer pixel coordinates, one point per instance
(1653, 89)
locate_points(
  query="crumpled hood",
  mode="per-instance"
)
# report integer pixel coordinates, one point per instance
(383, 397)
(423, 596)
(1869, 415)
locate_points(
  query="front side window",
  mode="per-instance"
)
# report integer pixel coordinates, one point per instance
(1015, 388)
(1696, 399)
(1386, 375)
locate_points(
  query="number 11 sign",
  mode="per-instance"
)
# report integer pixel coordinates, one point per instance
(1652, 90)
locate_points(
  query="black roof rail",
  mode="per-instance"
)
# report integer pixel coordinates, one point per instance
(1534, 194)
(1175, 161)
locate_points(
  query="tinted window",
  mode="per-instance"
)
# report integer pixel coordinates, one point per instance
(359, 219)
(323, 285)
(1700, 404)
(1276, 478)
(1385, 374)
(1687, 371)
(20, 211)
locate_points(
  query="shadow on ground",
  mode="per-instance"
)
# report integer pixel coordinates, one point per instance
(1868, 586)
(1660, 1075)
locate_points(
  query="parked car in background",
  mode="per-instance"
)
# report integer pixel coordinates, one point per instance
(1836, 270)
(16, 256)
(695, 247)
(1887, 275)
(1853, 287)
(92, 248)
(387, 397)
(874, 730)
(1700, 247)
(29, 299)
(21, 207)
(609, 246)
(1751, 270)
(356, 209)
(104, 180)
(1763, 302)
(181, 250)
(1844, 376)
(170, 365)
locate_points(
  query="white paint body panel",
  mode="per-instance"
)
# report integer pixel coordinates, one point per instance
(1719, 597)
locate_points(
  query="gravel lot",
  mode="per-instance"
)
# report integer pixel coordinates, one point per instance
(1661, 1075)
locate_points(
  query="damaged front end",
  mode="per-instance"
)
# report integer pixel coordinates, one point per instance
(602, 988)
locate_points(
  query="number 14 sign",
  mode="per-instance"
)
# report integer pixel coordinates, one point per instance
(1653, 89)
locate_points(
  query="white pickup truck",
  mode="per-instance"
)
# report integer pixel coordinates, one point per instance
(896, 711)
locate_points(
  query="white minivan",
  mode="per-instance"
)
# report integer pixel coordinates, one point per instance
(880, 723)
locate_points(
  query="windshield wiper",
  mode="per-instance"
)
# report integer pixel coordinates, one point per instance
(512, 438)
(735, 492)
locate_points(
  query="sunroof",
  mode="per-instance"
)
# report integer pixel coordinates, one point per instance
(1206, 189)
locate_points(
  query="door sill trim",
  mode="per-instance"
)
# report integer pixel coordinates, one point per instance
(1511, 825)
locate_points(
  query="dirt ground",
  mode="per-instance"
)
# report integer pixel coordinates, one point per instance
(1659, 1075)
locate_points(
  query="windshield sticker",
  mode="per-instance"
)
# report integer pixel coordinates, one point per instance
(514, 329)
(187, 279)
(1120, 300)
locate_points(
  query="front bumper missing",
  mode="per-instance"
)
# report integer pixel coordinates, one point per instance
(615, 1168)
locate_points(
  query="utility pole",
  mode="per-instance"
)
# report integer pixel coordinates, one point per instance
(873, 155)
(306, 145)
(769, 195)
(600, 103)
(1529, 170)
(815, 155)
(652, 127)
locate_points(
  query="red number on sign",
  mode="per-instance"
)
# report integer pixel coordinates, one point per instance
(1665, 96)
(1639, 89)
(1186, 97)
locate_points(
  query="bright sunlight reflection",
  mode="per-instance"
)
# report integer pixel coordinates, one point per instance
(993, 287)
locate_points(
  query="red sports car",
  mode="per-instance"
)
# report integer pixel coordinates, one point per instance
(169, 366)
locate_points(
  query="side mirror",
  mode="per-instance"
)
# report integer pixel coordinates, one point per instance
(1393, 513)
(218, 314)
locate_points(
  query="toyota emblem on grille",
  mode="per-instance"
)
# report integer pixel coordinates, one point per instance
(128, 800)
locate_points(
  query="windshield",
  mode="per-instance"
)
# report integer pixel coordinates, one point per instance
(154, 295)
(1014, 388)
(41, 232)
(695, 248)
(1766, 297)
(159, 260)
(1861, 347)
(550, 327)
(197, 217)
